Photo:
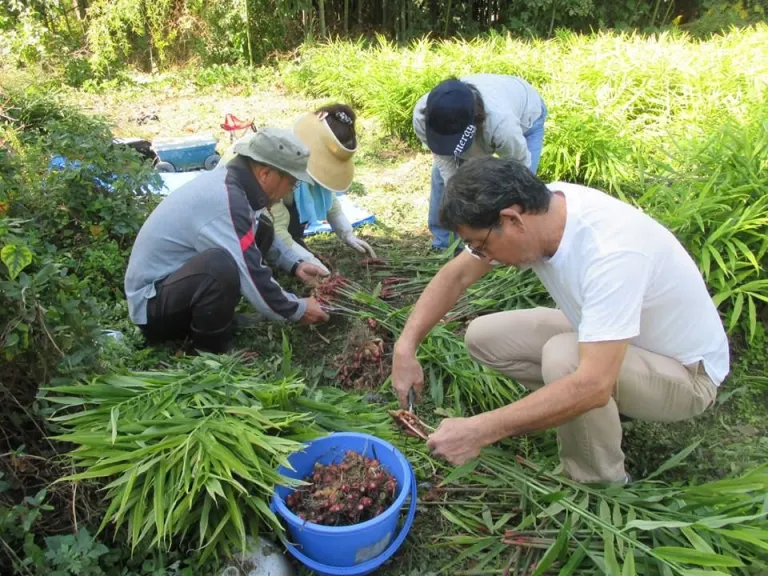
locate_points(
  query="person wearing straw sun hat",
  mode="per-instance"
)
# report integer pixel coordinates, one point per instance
(329, 133)
(209, 242)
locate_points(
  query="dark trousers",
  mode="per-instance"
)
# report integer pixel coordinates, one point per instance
(197, 300)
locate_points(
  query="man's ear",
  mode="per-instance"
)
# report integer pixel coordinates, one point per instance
(513, 215)
(261, 172)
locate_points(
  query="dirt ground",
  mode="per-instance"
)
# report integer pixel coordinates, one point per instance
(391, 180)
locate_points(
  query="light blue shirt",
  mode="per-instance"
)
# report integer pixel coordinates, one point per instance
(313, 202)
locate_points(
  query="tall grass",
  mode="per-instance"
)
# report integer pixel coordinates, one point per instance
(716, 204)
(613, 98)
(675, 124)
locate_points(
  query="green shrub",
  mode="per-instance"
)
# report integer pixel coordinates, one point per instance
(714, 201)
(718, 16)
(28, 41)
(160, 34)
(78, 71)
(57, 288)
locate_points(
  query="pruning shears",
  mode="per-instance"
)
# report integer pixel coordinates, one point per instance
(410, 400)
(329, 309)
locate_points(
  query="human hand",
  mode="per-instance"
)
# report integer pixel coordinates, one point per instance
(310, 273)
(314, 314)
(407, 373)
(360, 245)
(455, 440)
(317, 262)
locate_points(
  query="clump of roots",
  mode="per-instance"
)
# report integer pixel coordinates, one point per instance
(353, 491)
(365, 361)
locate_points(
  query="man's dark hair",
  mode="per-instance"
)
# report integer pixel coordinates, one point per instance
(483, 187)
(479, 106)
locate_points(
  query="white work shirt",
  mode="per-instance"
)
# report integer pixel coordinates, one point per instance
(618, 274)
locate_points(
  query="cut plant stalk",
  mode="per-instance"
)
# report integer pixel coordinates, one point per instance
(667, 527)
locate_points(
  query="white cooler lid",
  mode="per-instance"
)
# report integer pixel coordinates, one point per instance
(180, 142)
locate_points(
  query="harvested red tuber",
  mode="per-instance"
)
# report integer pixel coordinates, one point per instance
(353, 491)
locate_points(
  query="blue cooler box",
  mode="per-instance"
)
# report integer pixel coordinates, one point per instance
(186, 153)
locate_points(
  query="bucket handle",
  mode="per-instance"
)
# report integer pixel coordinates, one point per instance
(368, 565)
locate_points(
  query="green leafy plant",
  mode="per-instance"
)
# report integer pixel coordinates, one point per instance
(404, 278)
(648, 528)
(16, 524)
(74, 554)
(194, 471)
(714, 202)
(49, 271)
(190, 454)
(15, 258)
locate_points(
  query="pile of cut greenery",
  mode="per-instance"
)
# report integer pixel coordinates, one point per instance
(191, 453)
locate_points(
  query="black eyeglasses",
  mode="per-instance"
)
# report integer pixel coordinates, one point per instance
(291, 178)
(478, 252)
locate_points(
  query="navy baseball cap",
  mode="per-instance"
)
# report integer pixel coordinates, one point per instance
(450, 118)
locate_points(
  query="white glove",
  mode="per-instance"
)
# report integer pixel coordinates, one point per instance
(343, 229)
(360, 245)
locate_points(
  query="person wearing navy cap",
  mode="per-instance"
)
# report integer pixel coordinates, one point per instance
(477, 115)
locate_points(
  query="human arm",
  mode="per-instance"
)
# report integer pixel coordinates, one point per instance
(446, 165)
(285, 251)
(419, 120)
(341, 225)
(314, 313)
(508, 141)
(438, 298)
(590, 386)
(235, 233)
(611, 313)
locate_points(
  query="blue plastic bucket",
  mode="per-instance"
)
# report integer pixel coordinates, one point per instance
(347, 550)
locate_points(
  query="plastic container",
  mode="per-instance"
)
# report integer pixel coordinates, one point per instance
(114, 334)
(186, 153)
(347, 550)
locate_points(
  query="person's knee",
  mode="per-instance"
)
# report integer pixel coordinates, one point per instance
(560, 356)
(477, 339)
(222, 267)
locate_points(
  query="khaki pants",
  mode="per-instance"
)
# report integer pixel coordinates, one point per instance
(539, 346)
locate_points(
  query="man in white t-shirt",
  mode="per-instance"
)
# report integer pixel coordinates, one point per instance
(635, 333)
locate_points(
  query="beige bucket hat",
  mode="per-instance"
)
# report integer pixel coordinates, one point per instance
(330, 162)
(276, 147)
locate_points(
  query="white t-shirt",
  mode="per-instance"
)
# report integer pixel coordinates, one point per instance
(619, 274)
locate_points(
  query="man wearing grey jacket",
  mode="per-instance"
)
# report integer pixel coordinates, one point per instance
(477, 115)
(206, 244)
